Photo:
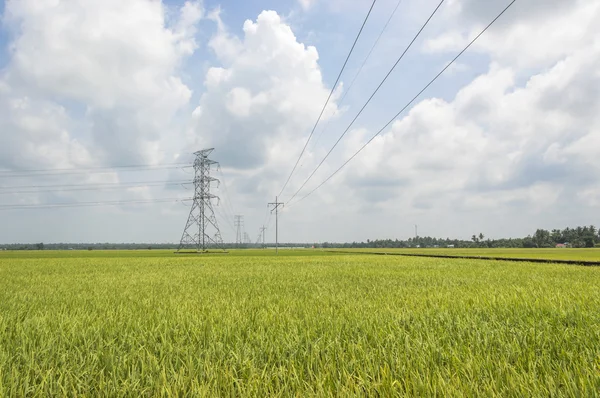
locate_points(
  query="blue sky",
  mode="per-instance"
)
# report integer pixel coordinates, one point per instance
(491, 147)
(332, 31)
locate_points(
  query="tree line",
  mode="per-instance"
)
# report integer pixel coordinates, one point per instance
(579, 237)
(132, 246)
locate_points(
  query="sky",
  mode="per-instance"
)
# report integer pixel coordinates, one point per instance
(506, 141)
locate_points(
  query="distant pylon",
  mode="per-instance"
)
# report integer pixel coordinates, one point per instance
(261, 234)
(239, 224)
(202, 216)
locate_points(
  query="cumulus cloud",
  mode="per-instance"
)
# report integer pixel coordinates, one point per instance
(495, 136)
(36, 132)
(517, 142)
(266, 93)
(89, 83)
(97, 82)
(100, 81)
(532, 34)
(117, 59)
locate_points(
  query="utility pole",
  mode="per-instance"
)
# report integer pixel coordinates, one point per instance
(275, 208)
(239, 224)
(202, 213)
(416, 231)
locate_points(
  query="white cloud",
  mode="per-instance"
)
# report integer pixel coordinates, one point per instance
(590, 196)
(532, 33)
(88, 83)
(500, 145)
(97, 81)
(267, 92)
(450, 41)
(307, 4)
(513, 146)
(35, 133)
(105, 53)
(225, 45)
(115, 58)
(185, 31)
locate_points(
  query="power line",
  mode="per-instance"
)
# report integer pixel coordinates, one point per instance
(93, 168)
(93, 184)
(268, 223)
(329, 97)
(99, 170)
(227, 215)
(226, 211)
(86, 204)
(95, 187)
(347, 91)
(220, 213)
(369, 100)
(227, 200)
(409, 103)
(267, 213)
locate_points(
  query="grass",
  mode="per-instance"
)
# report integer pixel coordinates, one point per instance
(297, 325)
(592, 254)
(555, 254)
(28, 254)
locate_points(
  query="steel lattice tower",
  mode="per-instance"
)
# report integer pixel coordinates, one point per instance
(239, 224)
(202, 216)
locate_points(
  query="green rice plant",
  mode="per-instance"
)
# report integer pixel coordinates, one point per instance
(296, 325)
(589, 254)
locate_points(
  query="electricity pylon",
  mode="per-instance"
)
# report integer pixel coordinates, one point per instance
(239, 224)
(202, 215)
(261, 234)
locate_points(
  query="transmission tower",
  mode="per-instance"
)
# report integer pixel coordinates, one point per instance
(247, 240)
(239, 224)
(261, 234)
(202, 220)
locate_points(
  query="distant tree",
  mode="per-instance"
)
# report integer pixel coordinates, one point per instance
(588, 240)
(528, 242)
(39, 246)
(577, 243)
(556, 236)
(541, 238)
